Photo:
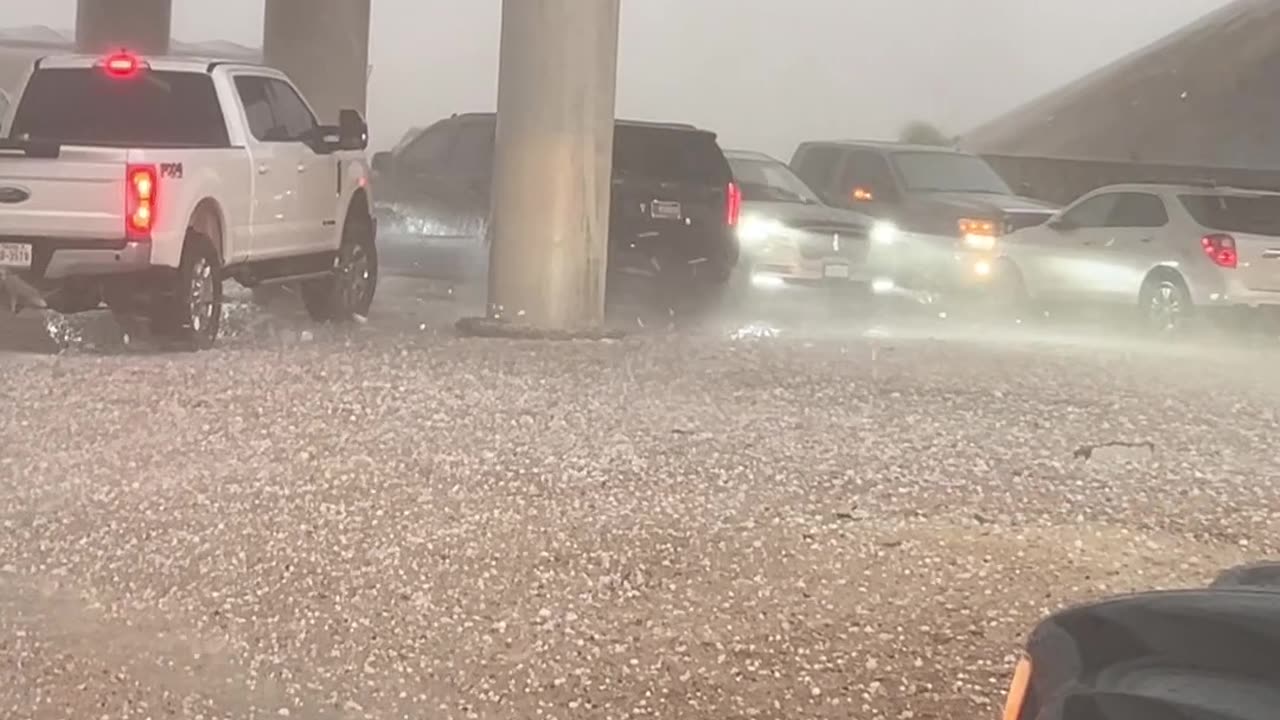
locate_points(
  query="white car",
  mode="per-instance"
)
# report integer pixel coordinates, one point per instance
(1166, 249)
(792, 239)
(143, 183)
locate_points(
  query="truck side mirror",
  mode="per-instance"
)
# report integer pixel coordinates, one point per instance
(353, 131)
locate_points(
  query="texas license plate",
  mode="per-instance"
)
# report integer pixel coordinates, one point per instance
(662, 210)
(15, 255)
(835, 270)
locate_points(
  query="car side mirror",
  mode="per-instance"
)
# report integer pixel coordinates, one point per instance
(1061, 224)
(382, 162)
(353, 131)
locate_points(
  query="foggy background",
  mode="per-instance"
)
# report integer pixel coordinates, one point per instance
(763, 74)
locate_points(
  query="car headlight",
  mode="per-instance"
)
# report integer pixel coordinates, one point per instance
(884, 232)
(978, 234)
(756, 230)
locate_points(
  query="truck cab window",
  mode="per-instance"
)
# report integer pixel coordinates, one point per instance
(293, 117)
(472, 155)
(816, 166)
(869, 171)
(257, 106)
(429, 152)
(274, 110)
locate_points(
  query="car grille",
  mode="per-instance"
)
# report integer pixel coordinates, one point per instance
(820, 242)
(1016, 221)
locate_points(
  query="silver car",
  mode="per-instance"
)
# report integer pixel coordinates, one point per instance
(1166, 249)
(790, 238)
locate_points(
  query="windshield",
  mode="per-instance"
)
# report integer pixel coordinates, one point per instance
(770, 181)
(86, 106)
(948, 172)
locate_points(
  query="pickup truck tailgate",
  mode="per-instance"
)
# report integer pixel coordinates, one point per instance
(80, 194)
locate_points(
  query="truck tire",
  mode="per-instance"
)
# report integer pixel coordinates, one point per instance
(188, 306)
(348, 291)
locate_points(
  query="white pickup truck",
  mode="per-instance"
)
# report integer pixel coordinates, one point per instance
(143, 183)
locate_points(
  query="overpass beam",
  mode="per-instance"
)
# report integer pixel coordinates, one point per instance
(550, 211)
(141, 26)
(323, 45)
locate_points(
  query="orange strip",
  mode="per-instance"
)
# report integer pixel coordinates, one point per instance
(1018, 689)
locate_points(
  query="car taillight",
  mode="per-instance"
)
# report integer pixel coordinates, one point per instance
(732, 204)
(140, 201)
(1221, 249)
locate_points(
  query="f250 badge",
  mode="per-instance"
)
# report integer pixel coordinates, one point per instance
(171, 170)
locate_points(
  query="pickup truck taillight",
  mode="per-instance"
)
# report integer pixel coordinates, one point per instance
(140, 201)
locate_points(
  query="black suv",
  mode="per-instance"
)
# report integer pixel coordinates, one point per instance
(674, 207)
(949, 207)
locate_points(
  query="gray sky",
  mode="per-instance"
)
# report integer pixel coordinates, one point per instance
(763, 73)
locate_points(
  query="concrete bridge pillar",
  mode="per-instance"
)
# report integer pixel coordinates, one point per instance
(552, 176)
(323, 45)
(141, 26)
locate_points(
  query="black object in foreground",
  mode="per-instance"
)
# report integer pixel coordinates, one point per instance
(1198, 654)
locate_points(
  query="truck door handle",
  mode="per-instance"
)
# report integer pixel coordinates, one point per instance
(264, 169)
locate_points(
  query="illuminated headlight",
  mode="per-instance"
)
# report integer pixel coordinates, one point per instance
(756, 230)
(979, 242)
(978, 234)
(765, 281)
(884, 233)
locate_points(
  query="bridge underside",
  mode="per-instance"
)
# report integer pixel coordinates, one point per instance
(1203, 96)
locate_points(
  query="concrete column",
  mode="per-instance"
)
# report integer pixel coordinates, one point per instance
(556, 94)
(323, 45)
(142, 26)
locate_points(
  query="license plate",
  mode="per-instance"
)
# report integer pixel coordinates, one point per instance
(836, 271)
(15, 255)
(662, 210)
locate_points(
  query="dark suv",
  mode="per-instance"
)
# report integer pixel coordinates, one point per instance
(674, 204)
(949, 208)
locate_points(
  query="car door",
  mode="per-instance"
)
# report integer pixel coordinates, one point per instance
(1053, 257)
(274, 166)
(314, 226)
(1118, 257)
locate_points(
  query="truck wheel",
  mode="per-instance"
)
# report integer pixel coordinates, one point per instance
(348, 291)
(189, 305)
